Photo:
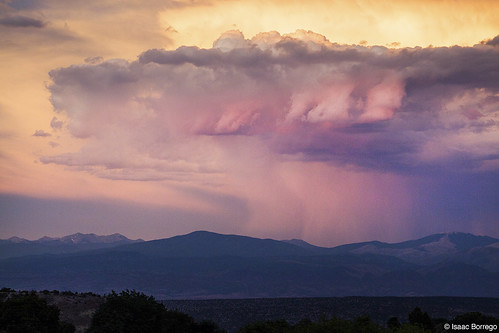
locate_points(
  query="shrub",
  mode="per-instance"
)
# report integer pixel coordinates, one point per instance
(28, 313)
(132, 311)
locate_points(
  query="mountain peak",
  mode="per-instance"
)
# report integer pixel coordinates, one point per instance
(46, 239)
(299, 242)
(210, 244)
(81, 238)
(465, 241)
(16, 239)
(76, 238)
(16, 246)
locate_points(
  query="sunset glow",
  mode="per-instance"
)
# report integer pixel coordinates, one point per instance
(330, 121)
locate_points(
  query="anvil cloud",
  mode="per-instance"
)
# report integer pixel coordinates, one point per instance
(299, 95)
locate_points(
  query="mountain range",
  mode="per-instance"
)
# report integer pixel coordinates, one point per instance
(209, 265)
(18, 247)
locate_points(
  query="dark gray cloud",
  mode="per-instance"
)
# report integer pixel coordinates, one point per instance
(55, 123)
(25, 4)
(20, 21)
(493, 42)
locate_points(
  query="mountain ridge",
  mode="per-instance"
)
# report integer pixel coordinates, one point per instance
(16, 246)
(78, 235)
(294, 241)
(203, 264)
(203, 243)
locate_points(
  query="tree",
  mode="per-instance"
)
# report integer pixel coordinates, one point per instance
(364, 324)
(393, 323)
(418, 318)
(29, 313)
(132, 311)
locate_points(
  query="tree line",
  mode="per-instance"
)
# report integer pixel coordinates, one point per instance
(130, 311)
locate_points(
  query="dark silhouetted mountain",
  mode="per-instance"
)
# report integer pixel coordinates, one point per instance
(17, 247)
(16, 240)
(208, 265)
(307, 246)
(459, 240)
(209, 244)
(436, 248)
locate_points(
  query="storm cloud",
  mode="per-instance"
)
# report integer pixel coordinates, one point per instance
(351, 133)
(299, 95)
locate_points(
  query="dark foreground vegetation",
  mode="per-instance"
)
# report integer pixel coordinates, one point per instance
(419, 322)
(132, 311)
(232, 314)
(26, 312)
(128, 311)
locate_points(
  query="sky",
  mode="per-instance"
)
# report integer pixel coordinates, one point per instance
(329, 121)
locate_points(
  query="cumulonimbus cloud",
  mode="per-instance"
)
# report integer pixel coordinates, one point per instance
(301, 96)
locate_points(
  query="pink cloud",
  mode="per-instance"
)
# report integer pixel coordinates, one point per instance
(322, 104)
(314, 137)
(297, 87)
(383, 99)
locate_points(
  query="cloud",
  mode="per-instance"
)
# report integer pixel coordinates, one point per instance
(20, 21)
(314, 136)
(93, 60)
(298, 94)
(493, 42)
(41, 133)
(55, 123)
